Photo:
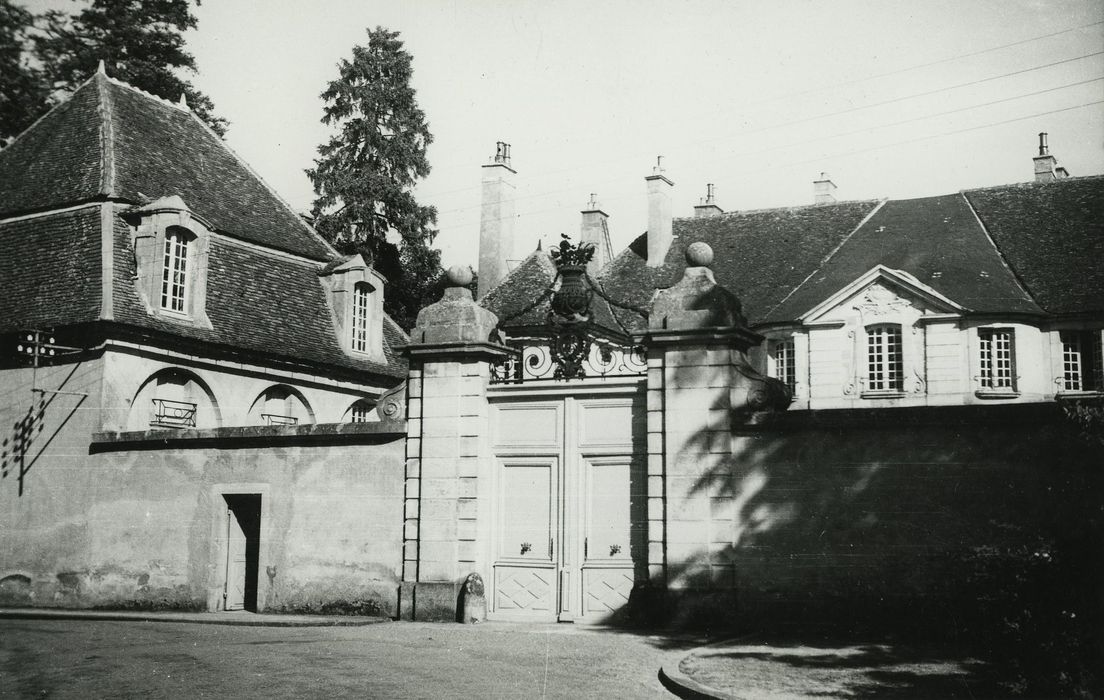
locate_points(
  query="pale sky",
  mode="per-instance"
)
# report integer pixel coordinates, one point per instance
(890, 98)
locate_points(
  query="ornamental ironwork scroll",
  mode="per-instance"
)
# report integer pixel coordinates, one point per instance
(574, 348)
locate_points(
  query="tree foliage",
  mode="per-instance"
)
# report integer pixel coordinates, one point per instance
(141, 42)
(24, 91)
(365, 173)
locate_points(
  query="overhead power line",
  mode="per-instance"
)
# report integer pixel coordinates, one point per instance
(855, 81)
(926, 93)
(805, 120)
(843, 154)
(929, 64)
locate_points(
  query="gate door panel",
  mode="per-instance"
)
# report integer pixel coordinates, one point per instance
(525, 570)
(607, 545)
(570, 514)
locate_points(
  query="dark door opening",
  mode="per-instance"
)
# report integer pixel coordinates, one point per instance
(243, 538)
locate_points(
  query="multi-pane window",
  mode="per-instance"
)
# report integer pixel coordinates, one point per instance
(1082, 364)
(996, 362)
(784, 364)
(174, 275)
(360, 412)
(884, 360)
(361, 316)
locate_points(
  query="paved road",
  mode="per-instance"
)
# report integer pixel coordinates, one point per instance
(92, 659)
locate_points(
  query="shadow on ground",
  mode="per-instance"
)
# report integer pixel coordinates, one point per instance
(763, 667)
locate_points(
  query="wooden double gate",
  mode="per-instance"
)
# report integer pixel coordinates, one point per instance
(570, 534)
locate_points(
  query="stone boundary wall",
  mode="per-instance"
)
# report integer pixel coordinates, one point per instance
(136, 520)
(926, 509)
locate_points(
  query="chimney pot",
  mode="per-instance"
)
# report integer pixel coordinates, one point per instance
(1046, 165)
(708, 206)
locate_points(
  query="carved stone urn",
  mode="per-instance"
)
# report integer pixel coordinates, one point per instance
(572, 300)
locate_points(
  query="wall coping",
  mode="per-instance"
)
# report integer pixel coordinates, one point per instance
(248, 436)
(1030, 414)
(699, 336)
(458, 350)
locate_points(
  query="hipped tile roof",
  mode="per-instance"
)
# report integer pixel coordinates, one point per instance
(1052, 235)
(50, 270)
(935, 239)
(1034, 248)
(114, 144)
(111, 140)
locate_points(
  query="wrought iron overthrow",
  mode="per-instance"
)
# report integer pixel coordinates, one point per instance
(574, 348)
(605, 358)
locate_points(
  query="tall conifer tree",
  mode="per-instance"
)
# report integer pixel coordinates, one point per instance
(365, 174)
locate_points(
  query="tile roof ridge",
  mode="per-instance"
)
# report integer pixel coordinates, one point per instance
(761, 210)
(279, 198)
(123, 84)
(1000, 254)
(829, 256)
(107, 133)
(1031, 183)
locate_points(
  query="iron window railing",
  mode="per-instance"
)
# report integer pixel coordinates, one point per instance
(173, 414)
(277, 419)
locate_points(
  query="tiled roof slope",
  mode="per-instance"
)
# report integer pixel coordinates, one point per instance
(523, 300)
(760, 256)
(1052, 235)
(935, 239)
(57, 161)
(111, 139)
(265, 303)
(161, 150)
(50, 270)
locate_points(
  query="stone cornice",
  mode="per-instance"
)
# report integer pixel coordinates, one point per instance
(457, 351)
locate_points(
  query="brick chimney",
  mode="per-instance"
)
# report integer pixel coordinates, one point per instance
(660, 232)
(708, 206)
(824, 190)
(595, 231)
(1046, 165)
(496, 224)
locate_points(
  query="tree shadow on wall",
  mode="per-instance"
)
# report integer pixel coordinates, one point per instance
(916, 526)
(28, 439)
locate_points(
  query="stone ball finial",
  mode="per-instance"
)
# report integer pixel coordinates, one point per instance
(459, 276)
(699, 254)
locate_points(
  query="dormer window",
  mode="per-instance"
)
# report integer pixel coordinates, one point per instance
(356, 298)
(174, 275)
(884, 358)
(362, 316)
(171, 247)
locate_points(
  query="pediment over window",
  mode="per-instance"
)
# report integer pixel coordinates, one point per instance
(883, 294)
